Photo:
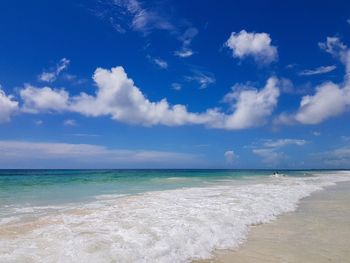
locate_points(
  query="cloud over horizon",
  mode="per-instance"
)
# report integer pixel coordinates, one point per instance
(28, 154)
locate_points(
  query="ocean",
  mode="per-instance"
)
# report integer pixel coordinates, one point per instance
(142, 215)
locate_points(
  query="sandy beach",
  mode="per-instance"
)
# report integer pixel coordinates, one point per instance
(318, 231)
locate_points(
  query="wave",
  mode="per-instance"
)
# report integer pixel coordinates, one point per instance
(165, 226)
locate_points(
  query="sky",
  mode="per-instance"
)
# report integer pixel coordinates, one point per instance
(175, 84)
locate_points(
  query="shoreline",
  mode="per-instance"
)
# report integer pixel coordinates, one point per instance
(318, 231)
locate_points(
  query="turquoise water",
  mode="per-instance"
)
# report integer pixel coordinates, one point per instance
(45, 187)
(103, 216)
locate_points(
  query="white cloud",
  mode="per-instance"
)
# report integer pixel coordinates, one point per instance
(251, 106)
(8, 106)
(270, 156)
(160, 63)
(229, 156)
(337, 158)
(330, 99)
(183, 53)
(176, 86)
(316, 133)
(270, 150)
(203, 79)
(283, 142)
(69, 122)
(317, 71)
(286, 85)
(44, 99)
(188, 36)
(333, 46)
(255, 45)
(118, 97)
(51, 76)
(25, 154)
(186, 39)
(134, 15)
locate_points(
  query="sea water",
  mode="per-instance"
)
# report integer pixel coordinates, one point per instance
(141, 215)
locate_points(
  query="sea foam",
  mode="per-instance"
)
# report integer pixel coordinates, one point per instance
(165, 226)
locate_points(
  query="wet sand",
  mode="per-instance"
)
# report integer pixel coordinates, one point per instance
(318, 231)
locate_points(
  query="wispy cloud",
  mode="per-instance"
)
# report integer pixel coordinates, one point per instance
(134, 15)
(38, 122)
(336, 158)
(270, 150)
(317, 71)
(161, 63)
(283, 142)
(51, 75)
(230, 156)
(183, 53)
(316, 133)
(146, 17)
(204, 79)
(270, 156)
(26, 154)
(69, 122)
(186, 39)
(176, 86)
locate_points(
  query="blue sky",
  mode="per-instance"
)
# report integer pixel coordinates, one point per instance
(174, 84)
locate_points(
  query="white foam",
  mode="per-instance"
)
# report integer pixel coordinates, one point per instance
(109, 196)
(165, 226)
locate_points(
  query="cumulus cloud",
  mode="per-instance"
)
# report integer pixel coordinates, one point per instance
(317, 71)
(250, 44)
(26, 154)
(44, 99)
(118, 97)
(330, 99)
(51, 76)
(229, 156)
(251, 107)
(8, 106)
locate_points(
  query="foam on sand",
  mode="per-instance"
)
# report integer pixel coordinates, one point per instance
(164, 226)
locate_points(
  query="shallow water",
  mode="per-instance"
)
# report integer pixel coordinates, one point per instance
(141, 216)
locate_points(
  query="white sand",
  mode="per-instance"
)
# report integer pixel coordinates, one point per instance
(319, 231)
